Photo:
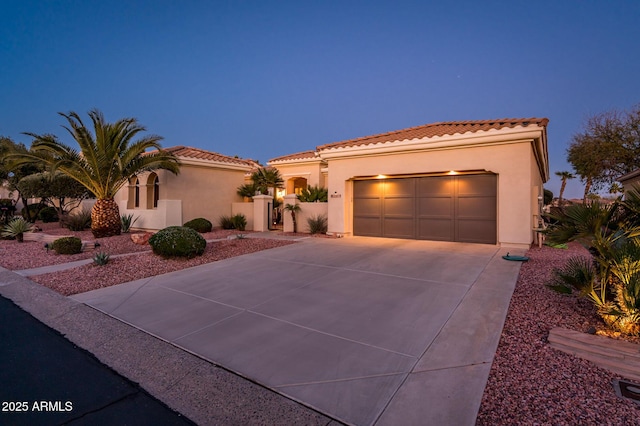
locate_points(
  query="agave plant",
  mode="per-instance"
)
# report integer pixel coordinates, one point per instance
(101, 258)
(126, 222)
(16, 229)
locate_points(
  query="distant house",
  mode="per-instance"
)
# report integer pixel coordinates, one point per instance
(468, 181)
(630, 180)
(206, 187)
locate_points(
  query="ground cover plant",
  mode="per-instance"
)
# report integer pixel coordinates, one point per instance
(67, 245)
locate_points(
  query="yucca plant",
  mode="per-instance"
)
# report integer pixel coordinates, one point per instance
(16, 229)
(126, 222)
(239, 221)
(101, 258)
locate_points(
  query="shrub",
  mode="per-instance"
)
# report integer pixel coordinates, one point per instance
(177, 241)
(199, 224)
(317, 224)
(48, 214)
(67, 245)
(31, 211)
(78, 221)
(314, 194)
(226, 222)
(16, 229)
(101, 258)
(126, 222)
(239, 222)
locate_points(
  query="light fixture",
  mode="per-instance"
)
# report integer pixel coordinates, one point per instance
(452, 172)
(381, 177)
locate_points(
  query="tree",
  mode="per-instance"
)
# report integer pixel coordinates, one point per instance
(107, 159)
(266, 178)
(314, 194)
(12, 174)
(564, 176)
(57, 190)
(608, 147)
(248, 190)
(293, 208)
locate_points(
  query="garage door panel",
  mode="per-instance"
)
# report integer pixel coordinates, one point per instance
(476, 207)
(368, 207)
(430, 207)
(399, 188)
(399, 206)
(367, 188)
(435, 229)
(476, 185)
(367, 226)
(476, 231)
(399, 227)
(435, 186)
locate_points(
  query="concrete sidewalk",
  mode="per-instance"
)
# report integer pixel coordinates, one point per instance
(196, 388)
(366, 330)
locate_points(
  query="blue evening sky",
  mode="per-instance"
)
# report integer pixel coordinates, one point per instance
(261, 79)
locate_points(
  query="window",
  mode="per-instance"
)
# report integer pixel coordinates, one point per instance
(153, 191)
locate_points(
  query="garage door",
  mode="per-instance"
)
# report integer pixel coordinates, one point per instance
(447, 208)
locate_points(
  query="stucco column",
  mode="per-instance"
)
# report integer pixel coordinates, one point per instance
(287, 222)
(261, 212)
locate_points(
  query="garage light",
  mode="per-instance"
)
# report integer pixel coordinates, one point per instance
(452, 172)
(381, 177)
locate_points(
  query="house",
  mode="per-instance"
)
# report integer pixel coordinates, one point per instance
(467, 181)
(206, 187)
(630, 180)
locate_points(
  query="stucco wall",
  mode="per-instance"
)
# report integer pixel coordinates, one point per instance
(307, 210)
(514, 164)
(311, 171)
(196, 192)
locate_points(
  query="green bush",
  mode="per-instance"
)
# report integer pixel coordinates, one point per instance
(177, 241)
(48, 214)
(317, 224)
(239, 222)
(78, 221)
(199, 224)
(226, 222)
(67, 245)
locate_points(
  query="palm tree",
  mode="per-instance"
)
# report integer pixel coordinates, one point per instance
(265, 178)
(293, 208)
(564, 176)
(107, 159)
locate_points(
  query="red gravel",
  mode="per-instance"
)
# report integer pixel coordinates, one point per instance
(532, 384)
(31, 254)
(129, 268)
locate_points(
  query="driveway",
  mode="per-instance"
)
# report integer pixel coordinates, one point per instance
(367, 330)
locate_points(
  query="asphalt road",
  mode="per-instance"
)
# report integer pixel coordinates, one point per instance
(47, 380)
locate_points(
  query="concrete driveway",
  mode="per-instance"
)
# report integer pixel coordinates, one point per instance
(367, 330)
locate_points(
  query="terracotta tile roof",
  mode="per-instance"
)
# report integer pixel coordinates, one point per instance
(437, 129)
(297, 156)
(201, 154)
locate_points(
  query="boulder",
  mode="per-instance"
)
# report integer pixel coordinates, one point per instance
(141, 239)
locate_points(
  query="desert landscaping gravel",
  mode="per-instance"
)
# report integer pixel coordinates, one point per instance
(532, 384)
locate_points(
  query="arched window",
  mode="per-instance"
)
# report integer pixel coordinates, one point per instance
(153, 191)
